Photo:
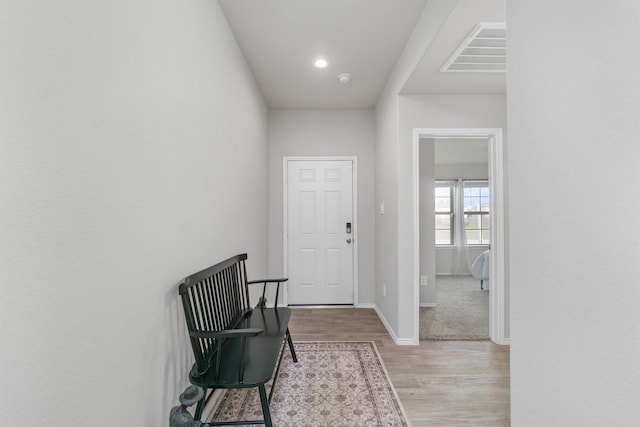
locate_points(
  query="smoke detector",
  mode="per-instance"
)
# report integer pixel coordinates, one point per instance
(344, 78)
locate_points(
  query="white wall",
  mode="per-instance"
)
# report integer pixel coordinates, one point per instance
(426, 153)
(431, 111)
(386, 261)
(446, 259)
(462, 171)
(388, 258)
(124, 126)
(325, 133)
(574, 145)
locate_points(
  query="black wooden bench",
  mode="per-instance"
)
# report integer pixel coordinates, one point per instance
(235, 346)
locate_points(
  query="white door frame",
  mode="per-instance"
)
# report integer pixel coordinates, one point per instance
(497, 306)
(285, 214)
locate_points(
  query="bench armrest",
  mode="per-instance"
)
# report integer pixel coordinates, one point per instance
(221, 335)
(229, 333)
(278, 281)
(263, 301)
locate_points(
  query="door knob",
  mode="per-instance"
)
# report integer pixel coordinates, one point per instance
(348, 240)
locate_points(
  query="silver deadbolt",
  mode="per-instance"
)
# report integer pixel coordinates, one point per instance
(349, 240)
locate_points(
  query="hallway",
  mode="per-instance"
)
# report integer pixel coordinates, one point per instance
(439, 383)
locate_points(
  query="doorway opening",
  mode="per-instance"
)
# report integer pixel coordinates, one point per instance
(455, 306)
(497, 296)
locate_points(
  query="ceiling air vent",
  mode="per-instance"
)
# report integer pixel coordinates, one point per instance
(484, 51)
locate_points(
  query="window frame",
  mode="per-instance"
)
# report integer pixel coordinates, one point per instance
(480, 214)
(452, 184)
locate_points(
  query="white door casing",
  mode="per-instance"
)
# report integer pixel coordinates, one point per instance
(497, 305)
(319, 244)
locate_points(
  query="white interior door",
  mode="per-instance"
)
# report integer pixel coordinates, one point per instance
(320, 231)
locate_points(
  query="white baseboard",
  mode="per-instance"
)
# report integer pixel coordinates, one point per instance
(396, 339)
(365, 305)
(428, 304)
(306, 307)
(404, 341)
(359, 305)
(506, 341)
(212, 405)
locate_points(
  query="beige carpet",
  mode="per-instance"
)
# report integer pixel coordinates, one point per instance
(462, 312)
(333, 384)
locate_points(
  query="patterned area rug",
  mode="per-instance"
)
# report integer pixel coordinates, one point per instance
(462, 312)
(333, 384)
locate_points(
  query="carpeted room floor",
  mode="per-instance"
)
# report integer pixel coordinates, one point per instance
(462, 311)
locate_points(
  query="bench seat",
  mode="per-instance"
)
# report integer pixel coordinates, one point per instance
(260, 354)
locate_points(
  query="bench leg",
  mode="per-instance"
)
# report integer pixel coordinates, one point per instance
(265, 406)
(200, 406)
(293, 351)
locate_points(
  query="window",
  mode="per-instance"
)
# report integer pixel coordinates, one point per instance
(444, 211)
(476, 211)
(475, 197)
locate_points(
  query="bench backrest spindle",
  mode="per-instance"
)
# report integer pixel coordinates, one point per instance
(214, 299)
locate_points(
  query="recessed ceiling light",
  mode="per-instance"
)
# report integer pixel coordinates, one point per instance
(320, 63)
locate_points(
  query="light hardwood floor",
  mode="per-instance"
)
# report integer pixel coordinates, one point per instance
(439, 383)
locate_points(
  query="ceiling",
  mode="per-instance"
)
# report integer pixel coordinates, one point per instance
(281, 38)
(461, 151)
(427, 77)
